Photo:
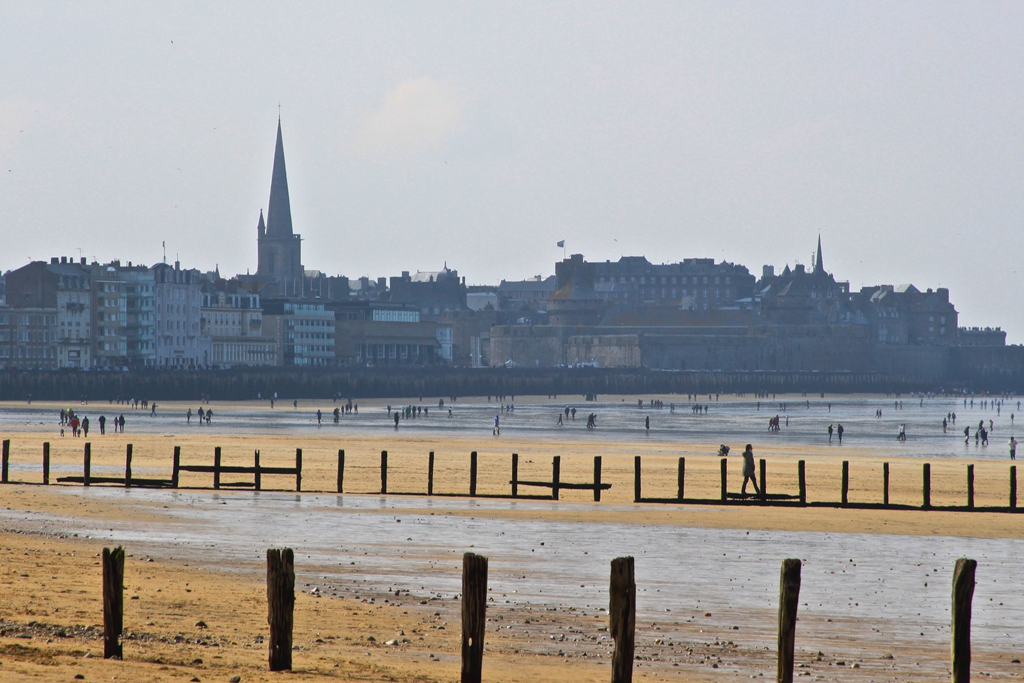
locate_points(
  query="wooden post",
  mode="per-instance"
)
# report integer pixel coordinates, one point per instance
(1013, 487)
(556, 476)
(725, 480)
(789, 598)
(963, 594)
(681, 481)
(622, 618)
(46, 462)
(597, 477)
(846, 482)
(258, 474)
(5, 460)
(763, 467)
(113, 602)
(216, 467)
(637, 482)
(128, 465)
(515, 475)
(341, 470)
(801, 474)
(970, 487)
(298, 469)
(280, 606)
(383, 471)
(885, 483)
(87, 465)
(176, 467)
(430, 474)
(472, 473)
(926, 485)
(474, 616)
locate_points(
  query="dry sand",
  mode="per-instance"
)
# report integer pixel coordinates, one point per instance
(50, 587)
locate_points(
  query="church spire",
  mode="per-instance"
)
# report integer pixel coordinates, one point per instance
(261, 227)
(279, 210)
(818, 268)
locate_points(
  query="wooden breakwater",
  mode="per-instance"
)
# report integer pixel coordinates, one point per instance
(622, 615)
(328, 383)
(521, 486)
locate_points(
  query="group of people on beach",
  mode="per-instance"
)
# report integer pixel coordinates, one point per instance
(80, 426)
(203, 415)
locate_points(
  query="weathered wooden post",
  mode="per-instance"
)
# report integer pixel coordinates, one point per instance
(763, 472)
(128, 465)
(970, 487)
(430, 473)
(637, 485)
(885, 483)
(1013, 487)
(87, 464)
(963, 594)
(801, 474)
(515, 475)
(474, 616)
(681, 481)
(113, 602)
(383, 471)
(5, 460)
(298, 469)
(341, 470)
(216, 467)
(597, 477)
(622, 618)
(46, 462)
(280, 606)
(472, 473)
(789, 599)
(556, 476)
(257, 479)
(926, 471)
(725, 480)
(176, 467)
(846, 482)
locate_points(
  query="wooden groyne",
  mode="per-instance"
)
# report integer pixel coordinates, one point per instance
(767, 495)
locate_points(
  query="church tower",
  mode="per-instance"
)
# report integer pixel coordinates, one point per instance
(280, 250)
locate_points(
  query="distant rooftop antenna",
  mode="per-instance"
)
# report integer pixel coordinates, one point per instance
(164, 245)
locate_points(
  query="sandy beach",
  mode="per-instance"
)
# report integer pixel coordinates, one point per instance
(51, 588)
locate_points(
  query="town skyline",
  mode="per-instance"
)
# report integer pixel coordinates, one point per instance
(741, 143)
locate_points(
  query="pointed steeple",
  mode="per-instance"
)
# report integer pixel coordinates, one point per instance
(818, 268)
(261, 228)
(279, 210)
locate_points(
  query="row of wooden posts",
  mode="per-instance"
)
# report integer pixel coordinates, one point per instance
(556, 484)
(621, 611)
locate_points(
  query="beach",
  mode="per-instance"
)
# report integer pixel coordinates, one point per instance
(876, 582)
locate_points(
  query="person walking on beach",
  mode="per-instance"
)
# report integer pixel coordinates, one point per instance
(647, 424)
(85, 426)
(1013, 448)
(497, 426)
(396, 419)
(967, 435)
(830, 433)
(559, 423)
(188, 416)
(748, 471)
(839, 431)
(319, 417)
(103, 424)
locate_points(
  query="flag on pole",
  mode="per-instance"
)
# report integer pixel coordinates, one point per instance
(560, 243)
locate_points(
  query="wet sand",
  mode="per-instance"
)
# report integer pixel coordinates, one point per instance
(556, 636)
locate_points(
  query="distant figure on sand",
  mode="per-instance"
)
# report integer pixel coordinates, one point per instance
(396, 419)
(839, 431)
(830, 433)
(748, 470)
(497, 426)
(647, 423)
(1013, 448)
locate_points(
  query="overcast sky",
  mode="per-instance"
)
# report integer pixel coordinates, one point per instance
(481, 133)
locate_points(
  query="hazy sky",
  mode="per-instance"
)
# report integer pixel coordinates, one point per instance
(481, 133)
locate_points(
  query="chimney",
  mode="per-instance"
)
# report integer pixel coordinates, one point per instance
(53, 261)
(767, 272)
(83, 260)
(63, 260)
(382, 283)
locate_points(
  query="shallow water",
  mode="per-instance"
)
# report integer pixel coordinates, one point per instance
(734, 421)
(899, 586)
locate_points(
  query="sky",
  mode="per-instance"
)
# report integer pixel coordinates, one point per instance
(479, 134)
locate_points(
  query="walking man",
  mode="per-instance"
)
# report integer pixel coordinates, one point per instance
(1013, 448)
(748, 471)
(830, 433)
(839, 431)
